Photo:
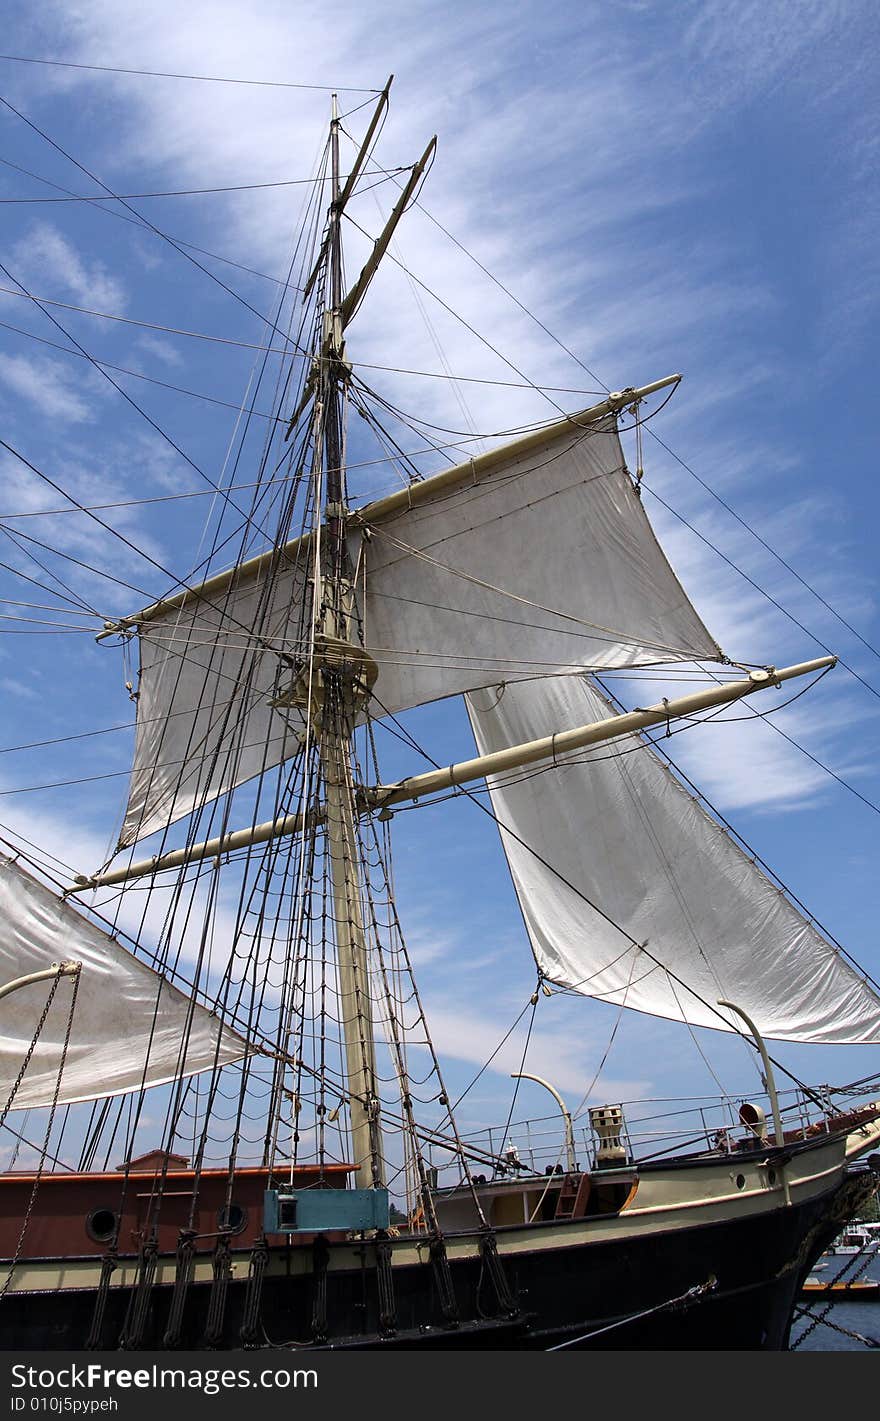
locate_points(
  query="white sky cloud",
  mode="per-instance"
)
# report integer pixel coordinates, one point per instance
(47, 385)
(47, 259)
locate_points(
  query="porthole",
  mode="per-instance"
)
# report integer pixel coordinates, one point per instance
(101, 1225)
(771, 1176)
(740, 1181)
(232, 1217)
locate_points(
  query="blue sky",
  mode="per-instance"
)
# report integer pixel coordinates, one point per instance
(666, 187)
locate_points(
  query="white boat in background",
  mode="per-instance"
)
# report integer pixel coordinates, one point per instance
(856, 1238)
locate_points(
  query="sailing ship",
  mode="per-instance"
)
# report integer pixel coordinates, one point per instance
(348, 1209)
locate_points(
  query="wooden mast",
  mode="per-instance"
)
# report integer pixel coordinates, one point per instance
(340, 698)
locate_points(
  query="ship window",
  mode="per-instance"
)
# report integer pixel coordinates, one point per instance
(232, 1217)
(101, 1225)
(740, 1181)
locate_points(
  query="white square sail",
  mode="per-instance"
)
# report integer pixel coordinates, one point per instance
(535, 558)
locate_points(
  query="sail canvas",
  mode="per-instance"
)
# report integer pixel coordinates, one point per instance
(130, 1029)
(632, 892)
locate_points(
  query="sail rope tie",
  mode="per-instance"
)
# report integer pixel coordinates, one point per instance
(385, 1285)
(640, 470)
(219, 1289)
(250, 1322)
(182, 1278)
(109, 1264)
(684, 1300)
(507, 1303)
(443, 1281)
(135, 1323)
(320, 1260)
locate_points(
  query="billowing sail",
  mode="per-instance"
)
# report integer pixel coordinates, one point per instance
(535, 558)
(130, 1028)
(624, 853)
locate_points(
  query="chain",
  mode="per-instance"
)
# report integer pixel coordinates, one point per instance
(30, 1051)
(836, 1327)
(822, 1317)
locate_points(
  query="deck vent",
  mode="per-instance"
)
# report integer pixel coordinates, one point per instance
(607, 1123)
(754, 1119)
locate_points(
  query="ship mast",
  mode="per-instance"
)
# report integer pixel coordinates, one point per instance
(339, 666)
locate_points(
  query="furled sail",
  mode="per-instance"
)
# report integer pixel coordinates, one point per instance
(536, 557)
(130, 1027)
(617, 830)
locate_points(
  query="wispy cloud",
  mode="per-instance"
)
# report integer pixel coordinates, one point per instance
(47, 385)
(46, 258)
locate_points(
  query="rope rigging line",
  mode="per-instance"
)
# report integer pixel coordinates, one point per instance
(698, 794)
(267, 322)
(125, 395)
(730, 1027)
(200, 78)
(703, 484)
(691, 1296)
(177, 192)
(758, 588)
(135, 222)
(452, 312)
(144, 220)
(825, 603)
(285, 350)
(150, 380)
(502, 287)
(250, 634)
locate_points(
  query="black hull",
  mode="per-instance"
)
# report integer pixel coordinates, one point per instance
(629, 1293)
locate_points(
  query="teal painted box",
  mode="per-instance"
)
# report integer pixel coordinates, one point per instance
(323, 1210)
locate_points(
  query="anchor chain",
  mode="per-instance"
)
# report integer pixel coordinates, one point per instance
(822, 1317)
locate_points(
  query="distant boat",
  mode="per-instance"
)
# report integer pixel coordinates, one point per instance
(860, 1289)
(856, 1237)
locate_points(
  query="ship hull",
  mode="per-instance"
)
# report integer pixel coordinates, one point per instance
(707, 1277)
